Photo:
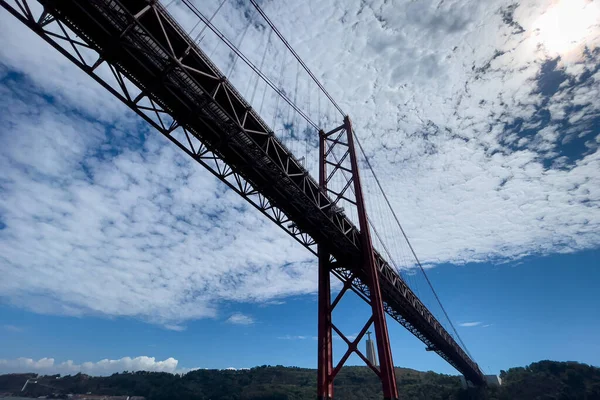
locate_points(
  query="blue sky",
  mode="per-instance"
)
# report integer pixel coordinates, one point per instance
(482, 125)
(536, 310)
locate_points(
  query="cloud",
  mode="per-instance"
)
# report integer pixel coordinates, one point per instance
(121, 224)
(485, 141)
(351, 337)
(102, 367)
(470, 324)
(177, 328)
(272, 303)
(240, 319)
(13, 328)
(293, 337)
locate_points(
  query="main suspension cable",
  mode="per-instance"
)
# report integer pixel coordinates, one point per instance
(409, 244)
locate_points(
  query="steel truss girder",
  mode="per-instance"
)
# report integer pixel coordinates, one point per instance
(156, 65)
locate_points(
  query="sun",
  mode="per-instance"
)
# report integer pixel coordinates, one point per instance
(566, 25)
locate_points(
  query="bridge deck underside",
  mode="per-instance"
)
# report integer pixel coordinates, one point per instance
(148, 47)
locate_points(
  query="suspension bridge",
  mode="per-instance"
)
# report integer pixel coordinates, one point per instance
(301, 171)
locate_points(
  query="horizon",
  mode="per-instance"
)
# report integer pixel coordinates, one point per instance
(232, 369)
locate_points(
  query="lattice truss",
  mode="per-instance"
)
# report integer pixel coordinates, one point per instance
(338, 179)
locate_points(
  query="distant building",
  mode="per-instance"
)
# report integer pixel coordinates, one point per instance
(490, 380)
(371, 355)
(493, 380)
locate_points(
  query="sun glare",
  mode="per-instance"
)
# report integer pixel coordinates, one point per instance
(566, 24)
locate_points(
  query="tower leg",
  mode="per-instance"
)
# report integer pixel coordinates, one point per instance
(325, 354)
(388, 376)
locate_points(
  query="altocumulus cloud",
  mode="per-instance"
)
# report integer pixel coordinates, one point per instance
(121, 224)
(470, 324)
(486, 142)
(102, 367)
(240, 319)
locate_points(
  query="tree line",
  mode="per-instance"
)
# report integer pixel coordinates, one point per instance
(544, 380)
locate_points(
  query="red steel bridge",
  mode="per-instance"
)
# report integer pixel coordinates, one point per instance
(142, 55)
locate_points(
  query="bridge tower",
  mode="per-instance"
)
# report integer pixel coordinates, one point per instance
(346, 163)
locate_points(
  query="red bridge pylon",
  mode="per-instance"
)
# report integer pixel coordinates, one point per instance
(344, 161)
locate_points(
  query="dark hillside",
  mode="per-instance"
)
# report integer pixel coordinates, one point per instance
(544, 380)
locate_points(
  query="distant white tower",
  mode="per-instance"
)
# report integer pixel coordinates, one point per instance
(371, 355)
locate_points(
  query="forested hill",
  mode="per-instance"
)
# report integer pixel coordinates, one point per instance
(545, 380)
